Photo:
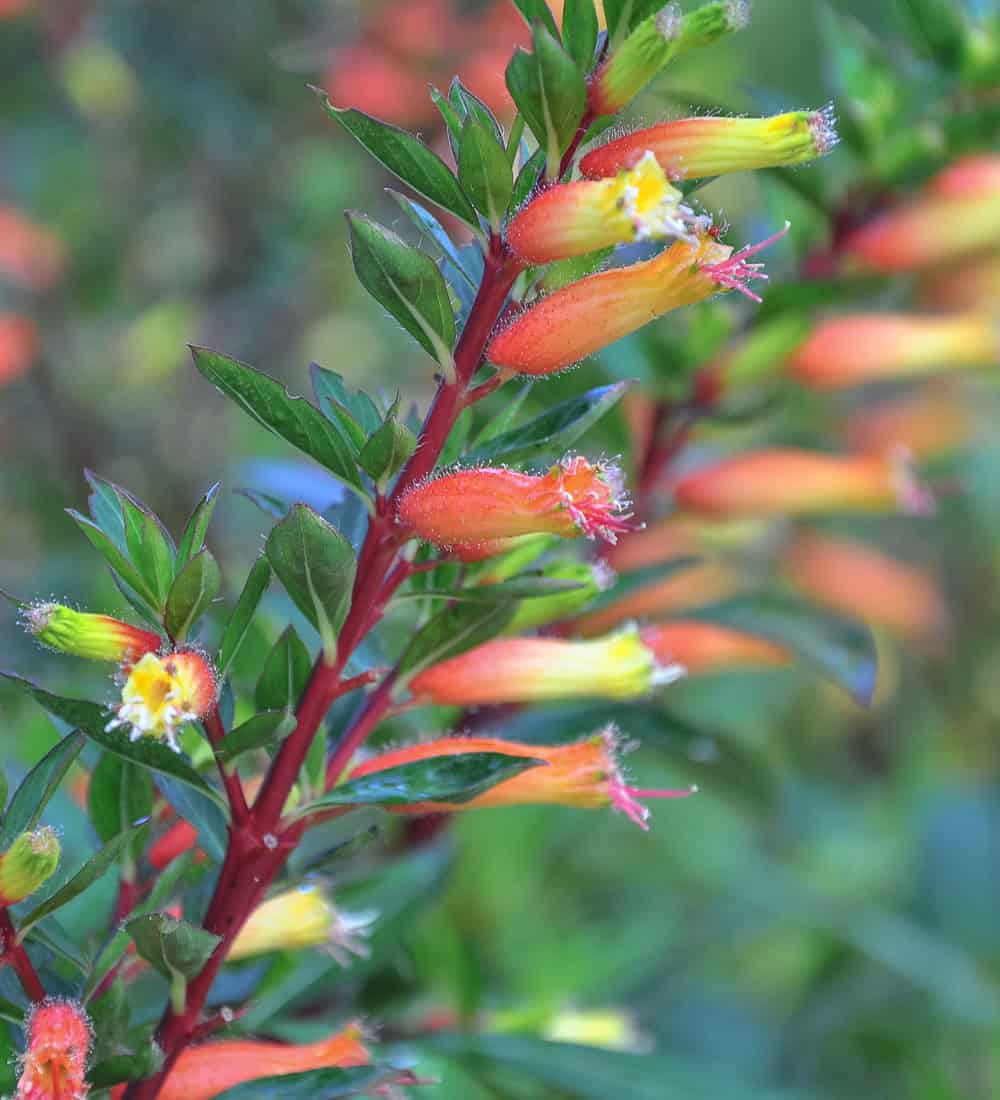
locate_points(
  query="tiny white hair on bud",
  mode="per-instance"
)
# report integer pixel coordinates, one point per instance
(668, 22)
(823, 128)
(738, 14)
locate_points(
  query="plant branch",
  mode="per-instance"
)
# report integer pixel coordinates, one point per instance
(12, 951)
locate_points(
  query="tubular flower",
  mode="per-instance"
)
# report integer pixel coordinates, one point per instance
(793, 482)
(202, 1072)
(98, 637)
(583, 317)
(706, 647)
(572, 219)
(54, 1063)
(525, 670)
(300, 918)
(28, 864)
(655, 42)
(585, 774)
(927, 422)
(161, 693)
(857, 348)
(181, 837)
(490, 505)
(692, 148)
(863, 582)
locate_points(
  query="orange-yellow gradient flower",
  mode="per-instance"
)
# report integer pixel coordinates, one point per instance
(794, 482)
(585, 774)
(579, 319)
(707, 647)
(526, 670)
(98, 637)
(485, 506)
(692, 148)
(856, 348)
(161, 693)
(54, 1063)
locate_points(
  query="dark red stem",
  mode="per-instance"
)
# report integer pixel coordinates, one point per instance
(13, 952)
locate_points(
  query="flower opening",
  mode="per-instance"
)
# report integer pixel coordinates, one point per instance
(54, 1063)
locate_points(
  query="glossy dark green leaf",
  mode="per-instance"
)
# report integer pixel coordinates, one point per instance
(315, 1084)
(580, 30)
(406, 282)
(316, 564)
(196, 528)
(39, 785)
(454, 266)
(408, 158)
(119, 794)
(284, 675)
(451, 779)
(149, 546)
(555, 430)
(203, 813)
(453, 631)
(336, 399)
(271, 405)
(113, 555)
(537, 11)
(105, 508)
(191, 594)
(387, 450)
(450, 115)
(484, 171)
(469, 105)
(145, 1059)
(262, 731)
(527, 179)
(171, 946)
(256, 584)
(92, 720)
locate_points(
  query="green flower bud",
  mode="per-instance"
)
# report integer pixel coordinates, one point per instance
(27, 864)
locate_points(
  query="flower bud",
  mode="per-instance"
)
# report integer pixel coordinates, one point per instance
(28, 864)
(54, 1063)
(527, 670)
(863, 582)
(572, 219)
(579, 319)
(590, 580)
(482, 506)
(161, 693)
(707, 647)
(301, 918)
(926, 422)
(856, 348)
(693, 148)
(655, 42)
(784, 482)
(585, 774)
(98, 637)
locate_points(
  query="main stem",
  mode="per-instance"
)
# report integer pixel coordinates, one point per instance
(12, 951)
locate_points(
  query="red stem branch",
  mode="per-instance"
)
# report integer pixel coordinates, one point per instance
(13, 952)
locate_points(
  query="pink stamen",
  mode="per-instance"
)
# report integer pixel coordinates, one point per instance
(626, 800)
(735, 272)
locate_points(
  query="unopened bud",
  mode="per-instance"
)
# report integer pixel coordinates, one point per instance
(28, 864)
(98, 637)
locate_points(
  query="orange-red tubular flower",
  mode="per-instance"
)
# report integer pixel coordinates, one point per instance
(692, 148)
(707, 647)
(585, 774)
(29, 253)
(489, 505)
(181, 837)
(202, 1072)
(18, 346)
(583, 317)
(863, 582)
(793, 482)
(868, 347)
(928, 421)
(54, 1063)
(526, 670)
(81, 634)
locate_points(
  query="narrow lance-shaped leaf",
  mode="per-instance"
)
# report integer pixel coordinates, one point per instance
(262, 731)
(150, 547)
(38, 786)
(484, 171)
(171, 946)
(580, 30)
(284, 674)
(196, 528)
(191, 594)
(112, 554)
(453, 631)
(537, 11)
(256, 584)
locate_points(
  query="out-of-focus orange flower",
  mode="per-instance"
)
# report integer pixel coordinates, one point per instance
(29, 253)
(54, 1063)
(707, 647)
(18, 346)
(928, 421)
(865, 583)
(181, 837)
(867, 347)
(974, 284)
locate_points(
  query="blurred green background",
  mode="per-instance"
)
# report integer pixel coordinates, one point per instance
(822, 921)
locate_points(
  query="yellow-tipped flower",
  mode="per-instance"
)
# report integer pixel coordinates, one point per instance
(655, 42)
(692, 148)
(572, 219)
(528, 670)
(580, 319)
(28, 864)
(161, 693)
(301, 918)
(98, 637)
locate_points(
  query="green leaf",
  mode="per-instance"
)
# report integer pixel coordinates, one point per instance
(580, 30)
(239, 621)
(387, 450)
(109, 1017)
(841, 649)
(38, 786)
(203, 813)
(527, 179)
(469, 105)
(452, 119)
(549, 89)
(406, 282)
(406, 157)
(149, 546)
(284, 675)
(483, 171)
(119, 794)
(354, 411)
(453, 631)
(271, 405)
(92, 719)
(315, 1084)
(428, 225)
(537, 11)
(555, 430)
(106, 508)
(192, 592)
(196, 528)
(171, 946)
(145, 1059)
(316, 564)
(109, 550)
(262, 731)
(451, 779)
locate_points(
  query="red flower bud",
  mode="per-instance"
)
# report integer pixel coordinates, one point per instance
(54, 1063)
(706, 647)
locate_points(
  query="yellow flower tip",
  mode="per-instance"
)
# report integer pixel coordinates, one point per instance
(163, 692)
(80, 634)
